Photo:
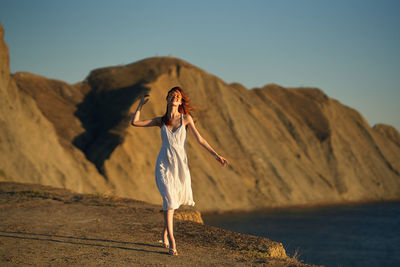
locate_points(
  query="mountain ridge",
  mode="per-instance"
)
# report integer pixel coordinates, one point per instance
(286, 146)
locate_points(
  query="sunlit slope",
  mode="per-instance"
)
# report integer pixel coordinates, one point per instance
(286, 146)
(30, 149)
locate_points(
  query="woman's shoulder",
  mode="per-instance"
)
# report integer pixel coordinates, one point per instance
(187, 118)
(158, 121)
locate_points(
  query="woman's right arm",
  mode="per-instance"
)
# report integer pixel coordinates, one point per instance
(135, 121)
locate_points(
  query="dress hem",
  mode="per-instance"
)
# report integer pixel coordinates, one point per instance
(189, 204)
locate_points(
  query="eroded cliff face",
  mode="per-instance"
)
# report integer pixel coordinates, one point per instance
(30, 149)
(389, 132)
(286, 146)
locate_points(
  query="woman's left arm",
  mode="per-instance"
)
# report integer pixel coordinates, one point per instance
(203, 142)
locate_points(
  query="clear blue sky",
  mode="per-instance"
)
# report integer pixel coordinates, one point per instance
(350, 49)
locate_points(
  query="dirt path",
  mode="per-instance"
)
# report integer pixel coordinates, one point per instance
(48, 226)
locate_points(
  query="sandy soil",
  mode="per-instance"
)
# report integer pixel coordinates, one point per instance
(41, 225)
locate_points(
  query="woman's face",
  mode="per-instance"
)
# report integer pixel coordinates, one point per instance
(174, 98)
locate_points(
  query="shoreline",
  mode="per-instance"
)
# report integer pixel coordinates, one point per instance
(357, 234)
(302, 206)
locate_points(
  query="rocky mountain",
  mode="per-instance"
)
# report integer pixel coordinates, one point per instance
(30, 147)
(286, 146)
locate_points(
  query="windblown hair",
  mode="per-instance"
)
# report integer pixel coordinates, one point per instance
(183, 108)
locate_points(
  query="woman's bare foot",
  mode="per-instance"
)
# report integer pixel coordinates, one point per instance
(164, 240)
(173, 252)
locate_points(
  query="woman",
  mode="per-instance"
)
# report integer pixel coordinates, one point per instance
(172, 172)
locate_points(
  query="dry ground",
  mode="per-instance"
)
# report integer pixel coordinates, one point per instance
(41, 225)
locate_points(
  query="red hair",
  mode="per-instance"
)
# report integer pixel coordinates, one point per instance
(183, 108)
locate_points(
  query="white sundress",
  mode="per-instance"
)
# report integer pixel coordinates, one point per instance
(172, 171)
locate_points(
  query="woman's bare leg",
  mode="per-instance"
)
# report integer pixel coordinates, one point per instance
(168, 218)
(164, 234)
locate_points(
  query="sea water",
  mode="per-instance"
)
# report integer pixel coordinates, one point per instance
(351, 235)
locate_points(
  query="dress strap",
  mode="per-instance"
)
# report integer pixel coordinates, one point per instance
(182, 120)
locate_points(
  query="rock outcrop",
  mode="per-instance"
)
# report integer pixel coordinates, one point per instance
(286, 146)
(389, 132)
(30, 147)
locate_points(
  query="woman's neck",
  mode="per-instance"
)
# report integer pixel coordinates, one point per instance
(173, 112)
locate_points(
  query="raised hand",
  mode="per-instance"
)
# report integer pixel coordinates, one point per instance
(222, 160)
(143, 99)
